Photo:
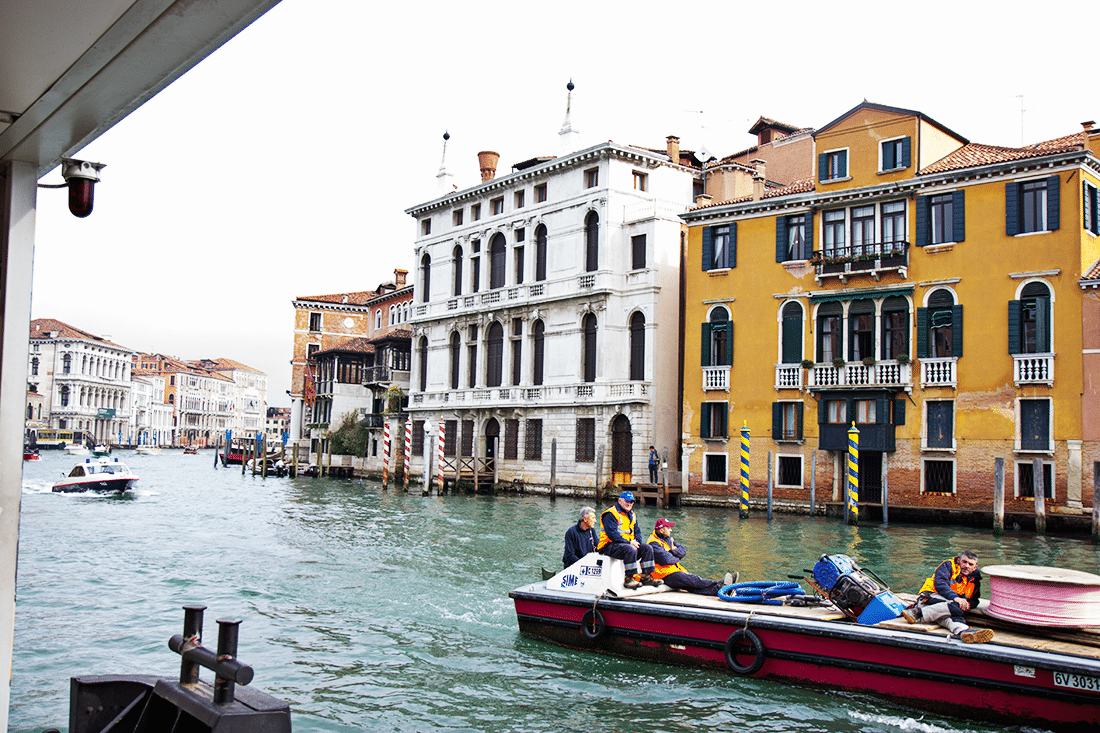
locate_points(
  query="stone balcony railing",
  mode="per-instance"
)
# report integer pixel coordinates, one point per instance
(886, 373)
(596, 392)
(716, 379)
(939, 371)
(1033, 368)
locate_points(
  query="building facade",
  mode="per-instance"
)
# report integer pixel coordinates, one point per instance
(201, 399)
(249, 403)
(546, 314)
(84, 380)
(925, 289)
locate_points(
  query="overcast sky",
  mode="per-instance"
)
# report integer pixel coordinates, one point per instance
(282, 165)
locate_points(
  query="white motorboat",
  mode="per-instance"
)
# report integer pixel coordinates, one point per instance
(77, 449)
(102, 474)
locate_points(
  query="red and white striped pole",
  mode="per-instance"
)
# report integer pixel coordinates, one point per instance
(408, 450)
(386, 454)
(442, 437)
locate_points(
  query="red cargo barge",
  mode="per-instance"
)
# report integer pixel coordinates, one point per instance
(1024, 676)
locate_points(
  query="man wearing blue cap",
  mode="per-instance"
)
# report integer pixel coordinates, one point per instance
(618, 538)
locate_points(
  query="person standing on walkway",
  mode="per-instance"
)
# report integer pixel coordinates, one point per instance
(618, 531)
(581, 538)
(654, 462)
(667, 554)
(953, 589)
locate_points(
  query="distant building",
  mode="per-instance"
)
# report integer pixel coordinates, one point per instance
(249, 394)
(277, 424)
(202, 399)
(151, 421)
(84, 380)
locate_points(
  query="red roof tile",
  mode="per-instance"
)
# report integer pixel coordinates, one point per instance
(975, 154)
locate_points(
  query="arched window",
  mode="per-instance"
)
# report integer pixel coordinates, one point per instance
(378, 319)
(589, 350)
(423, 363)
(939, 326)
(717, 340)
(456, 350)
(393, 317)
(538, 336)
(66, 363)
(456, 259)
(540, 253)
(791, 347)
(637, 347)
(497, 250)
(861, 330)
(895, 327)
(65, 396)
(34, 367)
(425, 278)
(495, 356)
(591, 242)
(829, 341)
(1029, 320)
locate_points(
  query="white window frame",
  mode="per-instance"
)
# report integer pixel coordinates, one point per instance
(1018, 441)
(641, 181)
(847, 173)
(924, 430)
(715, 454)
(1016, 479)
(881, 157)
(954, 474)
(801, 470)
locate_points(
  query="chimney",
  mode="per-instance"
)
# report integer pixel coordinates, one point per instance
(757, 179)
(487, 160)
(399, 276)
(673, 148)
(1088, 124)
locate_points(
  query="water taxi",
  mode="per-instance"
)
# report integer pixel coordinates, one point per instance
(103, 474)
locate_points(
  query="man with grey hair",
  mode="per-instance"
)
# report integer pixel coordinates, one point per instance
(953, 589)
(581, 538)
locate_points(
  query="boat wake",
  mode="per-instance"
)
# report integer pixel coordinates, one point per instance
(911, 725)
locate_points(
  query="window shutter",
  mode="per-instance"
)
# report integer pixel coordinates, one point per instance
(922, 333)
(1054, 188)
(1086, 205)
(729, 343)
(1012, 209)
(704, 359)
(1042, 324)
(704, 420)
(733, 245)
(899, 412)
(777, 421)
(1094, 222)
(957, 330)
(822, 167)
(808, 242)
(798, 416)
(958, 209)
(882, 410)
(888, 161)
(906, 155)
(781, 238)
(792, 339)
(724, 407)
(708, 247)
(1014, 326)
(924, 218)
(843, 172)
(822, 415)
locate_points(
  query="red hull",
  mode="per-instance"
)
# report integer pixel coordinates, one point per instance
(988, 681)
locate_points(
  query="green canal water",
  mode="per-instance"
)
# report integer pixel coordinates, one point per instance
(384, 611)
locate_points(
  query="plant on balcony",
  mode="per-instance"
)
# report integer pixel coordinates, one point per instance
(807, 363)
(350, 439)
(395, 400)
(903, 358)
(838, 361)
(869, 360)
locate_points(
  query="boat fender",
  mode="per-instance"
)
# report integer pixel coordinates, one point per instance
(733, 645)
(592, 625)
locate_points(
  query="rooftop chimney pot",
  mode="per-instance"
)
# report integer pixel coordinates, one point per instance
(1087, 124)
(487, 161)
(673, 148)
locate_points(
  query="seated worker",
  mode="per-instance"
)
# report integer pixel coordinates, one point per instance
(667, 554)
(618, 528)
(952, 589)
(581, 538)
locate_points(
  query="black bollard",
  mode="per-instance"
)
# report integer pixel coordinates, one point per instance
(192, 637)
(228, 630)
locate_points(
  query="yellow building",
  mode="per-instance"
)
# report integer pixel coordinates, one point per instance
(921, 286)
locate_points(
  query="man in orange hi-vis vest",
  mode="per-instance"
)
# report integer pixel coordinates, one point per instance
(619, 538)
(953, 589)
(667, 554)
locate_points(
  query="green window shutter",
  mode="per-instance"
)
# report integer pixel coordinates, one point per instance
(1014, 326)
(843, 172)
(1012, 209)
(733, 245)
(957, 330)
(704, 359)
(708, 247)
(922, 333)
(798, 415)
(888, 161)
(780, 239)
(777, 421)
(729, 344)
(1054, 209)
(808, 246)
(899, 412)
(792, 339)
(822, 167)
(924, 219)
(906, 154)
(1094, 195)
(882, 410)
(1042, 324)
(958, 215)
(724, 407)
(1086, 207)
(704, 420)
(822, 415)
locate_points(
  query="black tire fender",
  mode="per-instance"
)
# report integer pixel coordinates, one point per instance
(737, 638)
(593, 625)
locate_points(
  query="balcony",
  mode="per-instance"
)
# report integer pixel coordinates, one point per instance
(939, 372)
(716, 379)
(557, 395)
(888, 373)
(1033, 369)
(864, 259)
(788, 376)
(384, 375)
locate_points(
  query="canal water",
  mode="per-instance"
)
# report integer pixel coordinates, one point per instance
(384, 611)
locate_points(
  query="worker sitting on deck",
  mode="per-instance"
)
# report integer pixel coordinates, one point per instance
(618, 527)
(667, 554)
(952, 589)
(581, 538)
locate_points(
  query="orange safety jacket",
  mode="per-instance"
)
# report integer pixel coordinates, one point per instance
(962, 585)
(660, 571)
(626, 526)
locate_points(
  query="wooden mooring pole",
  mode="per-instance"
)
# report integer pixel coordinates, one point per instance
(813, 481)
(1040, 498)
(554, 468)
(998, 495)
(769, 486)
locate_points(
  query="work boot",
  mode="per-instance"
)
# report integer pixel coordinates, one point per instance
(648, 579)
(974, 636)
(631, 583)
(727, 579)
(912, 615)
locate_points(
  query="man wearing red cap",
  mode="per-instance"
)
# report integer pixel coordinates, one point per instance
(667, 554)
(618, 538)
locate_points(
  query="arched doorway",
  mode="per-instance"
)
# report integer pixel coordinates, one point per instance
(492, 435)
(622, 458)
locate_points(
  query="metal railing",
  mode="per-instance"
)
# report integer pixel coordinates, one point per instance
(861, 258)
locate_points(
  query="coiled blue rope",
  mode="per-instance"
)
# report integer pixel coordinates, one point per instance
(767, 592)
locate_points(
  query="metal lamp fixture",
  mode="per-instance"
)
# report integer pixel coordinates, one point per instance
(81, 177)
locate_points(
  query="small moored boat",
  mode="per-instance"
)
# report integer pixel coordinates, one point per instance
(103, 474)
(30, 454)
(190, 450)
